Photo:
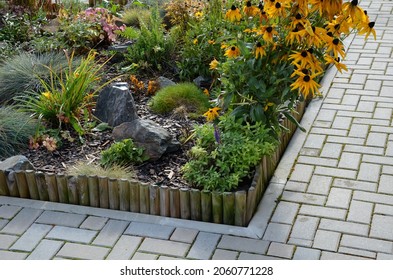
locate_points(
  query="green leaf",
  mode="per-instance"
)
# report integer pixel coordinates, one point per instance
(292, 119)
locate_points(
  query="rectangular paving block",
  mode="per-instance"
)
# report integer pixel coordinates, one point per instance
(382, 256)
(184, 235)
(149, 230)
(326, 115)
(356, 252)
(364, 150)
(327, 240)
(236, 243)
(110, 233)
(7, 240)
(350, 99)
(383, 113)
(277, 232)
(349, 161)
(94, 223)
(386, 184)
(337, 256)
(33, 235)
(83, 252)
(248, 256)
(376, 139)
(368, 244)
(360, 212)
(317, 161)
(344, 227)
(303, 198)
(3, 223)
(221, 254)
(366, 106)
(61, 219)
(373, 197)
(324, 212)
(355, 185)
(319, 185)
(164, 247)
(22, 221)
(358, 130)
(369, 172)
(314, 141)
(382, 227)
(305, 227)
(204, 246)
(294, 186)
(281, 250)
(378, 159)
(72, 234)
(9, 211)
(331, 150)
(124, 248)
(342, 122)
(329, 131)
(285, 212)
(335, 172)
(8, 255)
(302, 253)
(45, 250)
(339, 198)
(300, 242)
(345, 140)
(302, 173)
(383, 209)
(144, 256)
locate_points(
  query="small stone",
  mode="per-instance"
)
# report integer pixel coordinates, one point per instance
(16, 163)
(165, 82)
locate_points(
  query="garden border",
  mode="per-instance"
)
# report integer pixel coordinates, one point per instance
(230, 208)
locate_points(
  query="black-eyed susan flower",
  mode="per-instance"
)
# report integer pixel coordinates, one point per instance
(367, 28)
(293, 37)
(306, 59)
(232, 52)
(206, 92)
(298, 21)
(233, 14)
(302, 7)
(211, 42)
(313, 36)
(338, 26)
(336, 46)
(267, 32)
(306, 85)
(212, 114)
(332, 7)
(250, 10)
(278, 9)
(336, 62)
(353, 11)
(317, 5)
(213, 64)
(198, 15)
(259, 50)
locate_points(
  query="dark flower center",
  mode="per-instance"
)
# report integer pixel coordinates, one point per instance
(305, 71)
(248, 4)
(260, 6)
(303, 53)
(272, 1)
(354, 2)
(337, 26)
(269, 29)
(296, 29)
(336, 41)
(307, 78)
(330, 34)
(313, 28)
(259, 45)
(365, 12)
(233, 8)
(371, 24)
(337, 59)
(233, 49)
(310, 50)
(278, 5)
(298, 16)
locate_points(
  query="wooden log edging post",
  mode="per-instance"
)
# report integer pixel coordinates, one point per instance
(61, 182)
(21, 183)
(31, 184)
(3, 184)
(53, 193)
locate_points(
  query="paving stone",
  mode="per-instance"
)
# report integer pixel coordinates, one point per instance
(281, 250)
(386, 184)
(368, 244)
(382, 227)
(33, 235)
(358, 79)
(83, 252)
(94, 223)
(356, 252)
(364, 150)
(317, 161)
(221, 254)
(383, 113)
(326, 240)
(22, 221)
(329, 131)
(358, 130)
(339, 198)
(357, 114)
(72, 234)
(355, 185)
(319, 185)
(7, 240)
(314, 141)
(324, 212)
(3, 223)
(335, 93)
(7, 255)
(342, 123)
(236, 243)
(373, 197)
(110, 233)
(160, 258)
(300, 242)
(304, 198)
(382, 256)
(372, 84)
(383, 209)
(366, 106)
(378, 159)
(331, 150)
(306, 254)
(277, 232)
(164, 247)
(389, 149)
(61, 219)
(344, 227)
(327, 115)
(349, 161)
(302, 173)
(144, 256)
(149, 230)
(285, 212)
(305, 227)
(291, 186)
(309, 152)
(9, 211)
(184, 235)
(335, 172)
(369, 172)
(204, 246)
(124, 248)
(360, 212)
(248, 256)
(336, 256)
(46, 250)
(387, 170)
(349, 99)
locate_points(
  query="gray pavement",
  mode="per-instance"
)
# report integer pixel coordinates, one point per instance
(331, 196)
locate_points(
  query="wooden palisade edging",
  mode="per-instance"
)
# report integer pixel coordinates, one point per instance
(233, 208)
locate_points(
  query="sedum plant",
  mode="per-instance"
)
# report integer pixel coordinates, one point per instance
(123, 153)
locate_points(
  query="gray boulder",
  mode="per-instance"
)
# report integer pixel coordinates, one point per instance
(16, 163)
(149, 135)
(115, 105)
(165, 82)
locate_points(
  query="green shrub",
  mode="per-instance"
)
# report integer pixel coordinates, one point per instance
(23, 72)
(15, 130)
(114, 171)
(226, 154)
(123, 153)
(185, 95)
(136, 17)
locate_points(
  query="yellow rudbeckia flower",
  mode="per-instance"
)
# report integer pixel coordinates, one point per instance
(212, 114)
(233, 14)
(213, 64)
(232, 52)
(306, 85)
(259, 51)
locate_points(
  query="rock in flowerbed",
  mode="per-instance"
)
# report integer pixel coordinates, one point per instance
(16, 163)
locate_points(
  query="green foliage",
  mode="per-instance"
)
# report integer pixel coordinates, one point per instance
(67, 98)
(226, 154)
(123, 153)
(136, 16)
(114, 171)
(25, 71)
(185, 95)
(15, 130)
